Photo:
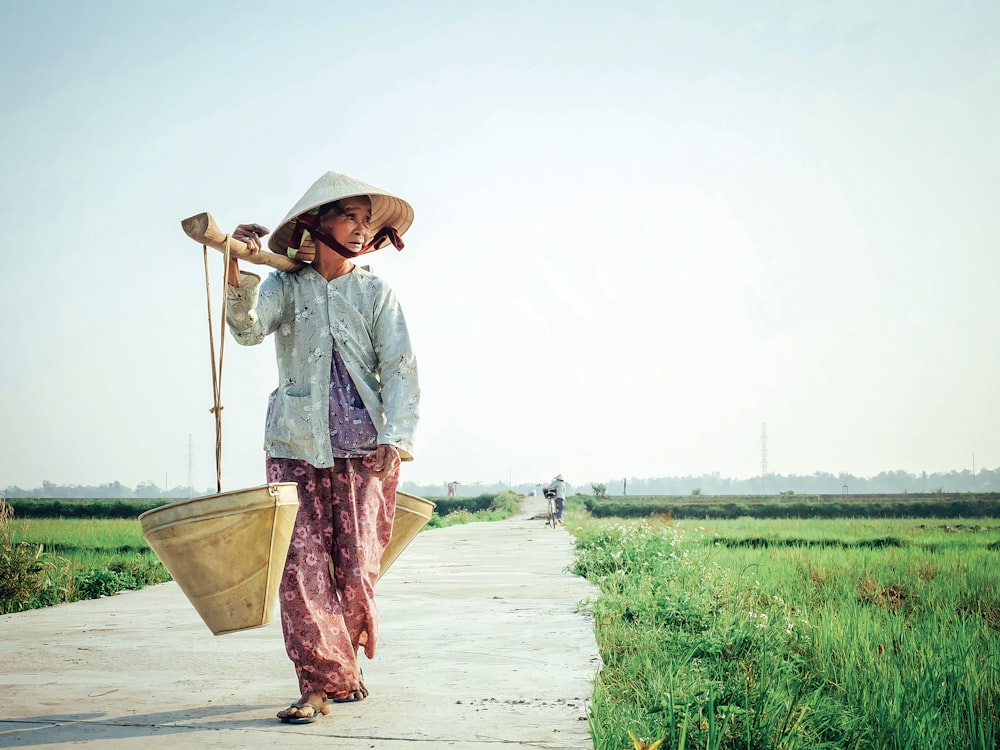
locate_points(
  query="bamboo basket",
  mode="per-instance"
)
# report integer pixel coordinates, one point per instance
(412, 514)
(227, 551)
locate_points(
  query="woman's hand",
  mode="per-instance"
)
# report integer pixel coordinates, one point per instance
(384, 462)
(248, 234)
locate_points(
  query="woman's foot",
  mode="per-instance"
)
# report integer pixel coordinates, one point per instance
(307, 710)
(349, 696)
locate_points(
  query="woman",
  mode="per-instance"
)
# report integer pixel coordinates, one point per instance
(342, 418)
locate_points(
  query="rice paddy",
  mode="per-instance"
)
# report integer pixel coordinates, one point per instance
(812, 634)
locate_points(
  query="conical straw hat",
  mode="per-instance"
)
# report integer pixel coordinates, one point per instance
(387, 209)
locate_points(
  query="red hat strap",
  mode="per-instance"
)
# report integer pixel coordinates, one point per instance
(310, 223)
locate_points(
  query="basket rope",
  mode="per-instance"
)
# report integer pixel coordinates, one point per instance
(217, 364)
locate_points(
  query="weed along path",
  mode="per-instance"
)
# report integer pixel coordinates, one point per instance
(481, 646)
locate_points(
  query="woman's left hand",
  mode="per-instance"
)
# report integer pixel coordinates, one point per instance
(383, 462)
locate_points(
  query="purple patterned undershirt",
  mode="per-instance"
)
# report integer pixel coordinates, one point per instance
(352, 434)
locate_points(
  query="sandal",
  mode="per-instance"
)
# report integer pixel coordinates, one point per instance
(317, 711)
(349, 696)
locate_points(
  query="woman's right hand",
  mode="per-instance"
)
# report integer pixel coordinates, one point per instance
(248, 234)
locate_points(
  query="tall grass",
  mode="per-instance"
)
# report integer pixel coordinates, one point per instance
(26, 572)
(835, 634)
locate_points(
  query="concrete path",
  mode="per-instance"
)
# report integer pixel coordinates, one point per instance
(482, 645)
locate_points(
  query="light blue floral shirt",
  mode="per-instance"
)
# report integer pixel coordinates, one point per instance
(360, 315)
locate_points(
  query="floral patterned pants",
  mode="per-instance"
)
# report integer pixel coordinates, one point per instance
(345, 514)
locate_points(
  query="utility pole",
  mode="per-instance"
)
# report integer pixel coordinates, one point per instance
(190, 464)
(763, 455)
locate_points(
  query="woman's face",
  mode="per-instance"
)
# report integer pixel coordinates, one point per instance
(350, 222)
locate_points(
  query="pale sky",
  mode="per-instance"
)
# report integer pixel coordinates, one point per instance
(643, 229)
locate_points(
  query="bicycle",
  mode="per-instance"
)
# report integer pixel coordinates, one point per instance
(550, 501)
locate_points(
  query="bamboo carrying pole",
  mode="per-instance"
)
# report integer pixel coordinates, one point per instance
(203, 229)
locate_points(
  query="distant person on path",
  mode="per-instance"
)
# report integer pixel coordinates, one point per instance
(452, 489)
(559, 485)
(342, 418)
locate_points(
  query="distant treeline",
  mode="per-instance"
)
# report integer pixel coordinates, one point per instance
(938, 505)
(820, 483)
(109, 491)
(81, 508)
(128, 508)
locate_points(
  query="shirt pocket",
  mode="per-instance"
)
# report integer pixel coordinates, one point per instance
(290, 416)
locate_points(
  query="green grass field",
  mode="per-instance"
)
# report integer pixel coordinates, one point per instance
(84, 533)
(795, 634)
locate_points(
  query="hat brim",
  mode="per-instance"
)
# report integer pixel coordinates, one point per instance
(387, 209)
